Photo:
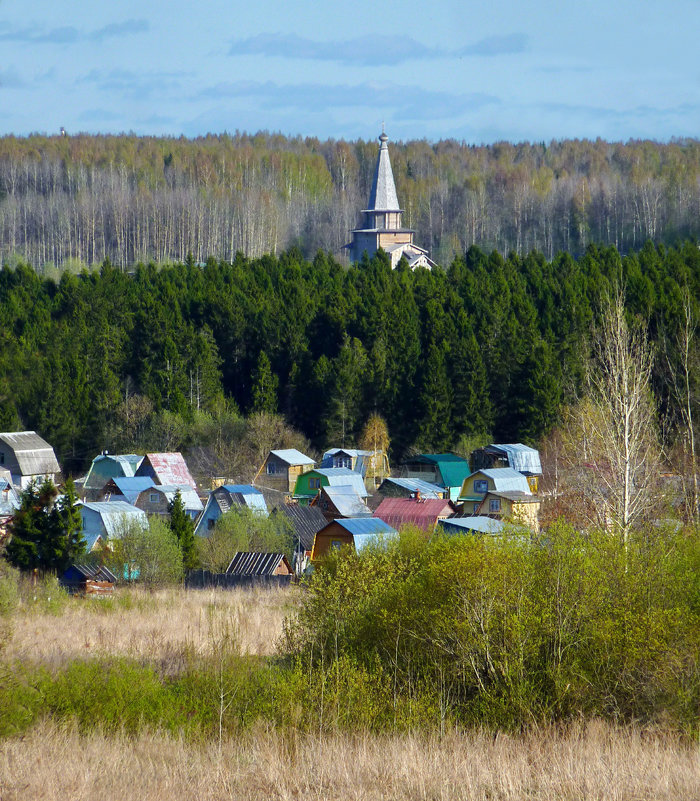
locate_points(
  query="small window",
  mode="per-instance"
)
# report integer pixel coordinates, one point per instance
(153, 497)
(343, 461)
(315, 483)
(481, 486)
(210, 524)
(495, 505)
(271, 468)
(336, 544)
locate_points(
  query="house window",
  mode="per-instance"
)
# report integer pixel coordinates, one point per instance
(336, 544)
(271, 468)
(314, 483)
(476, 508)
(343, 461)
(495, 505)
(210, 523)
(153, 497)
(481, 486)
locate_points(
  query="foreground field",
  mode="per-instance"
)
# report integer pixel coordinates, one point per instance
(597, 761)
(157, 627)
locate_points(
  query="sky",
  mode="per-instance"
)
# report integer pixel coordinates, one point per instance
(513, 70)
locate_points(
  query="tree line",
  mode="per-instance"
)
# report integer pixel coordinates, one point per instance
(226, 356)
(80, 199)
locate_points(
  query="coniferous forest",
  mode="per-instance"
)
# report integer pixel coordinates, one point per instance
(168, 358)
(127, 198)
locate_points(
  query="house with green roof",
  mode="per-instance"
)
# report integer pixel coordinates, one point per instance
(444, 469)
(309, 484)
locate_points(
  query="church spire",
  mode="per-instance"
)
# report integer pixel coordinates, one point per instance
(383, 195)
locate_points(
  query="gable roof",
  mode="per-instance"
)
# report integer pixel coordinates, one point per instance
(168, 468)
(343, 476)
(113, 514)
(292, 456)
(478, 523)
(365, 530)
(9, 500)
(426, 489)
(307, 520)
(505, 479)
(422, 513)
(190, 499)
(520, 457)
(111, 465)
(34, 455)
(453, 469)
(94, 573)
(246, 563)
(347, 501)
(240, 495)
(131, 486)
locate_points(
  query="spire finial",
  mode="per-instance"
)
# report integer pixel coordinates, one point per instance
(383, 137)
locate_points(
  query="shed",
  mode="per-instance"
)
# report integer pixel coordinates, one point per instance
(156, 500)
(309, 484)
(281, 469)
(421, 512)
(353, 532)
(169, 469)
(306, 520)
(108, 519)
(107, 466)
(90, 581)
(445, 469)
(225, 498)
(342, 501)
(259, 564)
(410, 488)
(28, 457)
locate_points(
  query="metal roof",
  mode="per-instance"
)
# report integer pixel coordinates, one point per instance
(519, 496)
(242, 489)
(422, 513)
(365, 525)
(256, 564)
(343, 476)
(292, 456)
(94, 573)
(113, 514)
(169, 468)
(105, 466)
(240, 495)
(505, 479)
(478, 523)
(190, 499)
(352, 452)
(520, 457)
(34, 455)
(307, 520)
(453, 469)
(383, 195)
(9, 500)
(132, 486)
(425, 488)
(347, 501)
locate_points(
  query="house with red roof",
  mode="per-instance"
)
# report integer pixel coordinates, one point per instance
(166, 469)
(416, 511)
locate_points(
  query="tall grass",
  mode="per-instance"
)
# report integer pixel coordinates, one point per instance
(582, 762)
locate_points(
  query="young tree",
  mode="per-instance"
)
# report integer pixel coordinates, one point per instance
(45, 533)
(182, 527)
(151, 555)
(375, 438)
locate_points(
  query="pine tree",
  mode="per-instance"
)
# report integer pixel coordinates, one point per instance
(183, 528)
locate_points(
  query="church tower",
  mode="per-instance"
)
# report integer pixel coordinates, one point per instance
(381, 220)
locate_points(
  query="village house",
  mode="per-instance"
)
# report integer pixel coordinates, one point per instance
(156, 500)
(350, 532)
(225, 498)
(107, 466)
(382, 225)
(409, 488)
(373, 466)
(503, 493)
(166, 469)
(109, 520)
(444, 469)
(309, 484)
(281, 469)
(305, 522)
(423, 513)
(9, 504)
(517, 456)
(342, 501)
(28, 457)
(126, 488)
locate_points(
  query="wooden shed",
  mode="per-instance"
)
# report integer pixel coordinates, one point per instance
(352, 532)
(89, 581)
(281, 469)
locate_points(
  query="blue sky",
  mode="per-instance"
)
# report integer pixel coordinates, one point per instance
(504, 70)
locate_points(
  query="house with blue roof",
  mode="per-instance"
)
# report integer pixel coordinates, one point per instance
(109, 519)
(342, 501)
(309, 484)
(352, 532)
(524, 459)
(410, 488)
(227, 498)
(126, 488)
(501, 493)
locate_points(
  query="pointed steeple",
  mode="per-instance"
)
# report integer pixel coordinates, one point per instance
(383, 195)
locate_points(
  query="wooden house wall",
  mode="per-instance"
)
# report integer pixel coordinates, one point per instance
(325, 539)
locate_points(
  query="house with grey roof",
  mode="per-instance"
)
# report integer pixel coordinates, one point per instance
(226, 498)
(341, 501)
(281, 469)
(382, 226)
(109, 520)
(28, 457)
(523, 458)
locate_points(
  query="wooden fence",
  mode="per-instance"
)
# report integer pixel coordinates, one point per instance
(203, 579)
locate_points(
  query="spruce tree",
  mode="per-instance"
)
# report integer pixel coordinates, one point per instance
(183, 528)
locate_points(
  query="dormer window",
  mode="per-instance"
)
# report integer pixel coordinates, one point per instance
(481, 486)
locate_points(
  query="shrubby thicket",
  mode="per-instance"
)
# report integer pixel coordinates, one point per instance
(195, 358)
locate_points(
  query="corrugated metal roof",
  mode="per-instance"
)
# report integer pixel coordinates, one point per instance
(292, 456)
(132, 486)
(307, 520)
(352, 452)
(521, 457)
(169, 468)
(453, 469)
(506, 479)
(365, 525)
(422, 513)
(190, 499)
(426, 489)
(110, 465)
(340, 476)
(347, 501)
(240, 495)
(34, 455)
(113, 514)
(521, 497)
(95, 573)
(255, 564)
(478, 524)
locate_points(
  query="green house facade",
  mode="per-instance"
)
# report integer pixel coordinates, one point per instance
(309, 484)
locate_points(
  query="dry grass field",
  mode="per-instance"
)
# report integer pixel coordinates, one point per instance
(595, 761)
(160, 627)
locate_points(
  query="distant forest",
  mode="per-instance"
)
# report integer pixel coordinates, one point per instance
(173, 358)
(126, 198)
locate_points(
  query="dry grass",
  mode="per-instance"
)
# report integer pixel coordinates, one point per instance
(592, 762)
(161, 627)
